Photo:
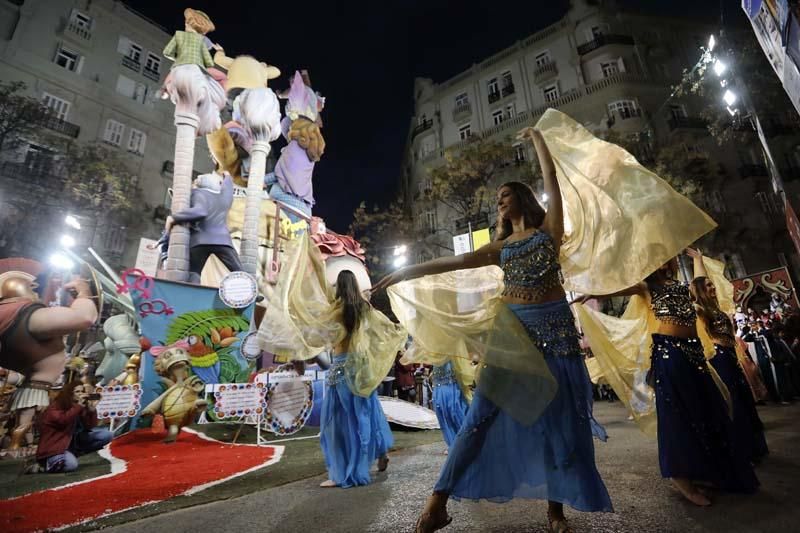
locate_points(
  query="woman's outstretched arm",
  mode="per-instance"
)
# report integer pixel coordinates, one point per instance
(554, 219)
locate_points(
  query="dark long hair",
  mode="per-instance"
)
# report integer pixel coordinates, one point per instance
(528, 205)
(706, 305)
(354, 305)
(64, 398)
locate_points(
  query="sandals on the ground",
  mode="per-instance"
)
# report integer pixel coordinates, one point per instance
(558, 525)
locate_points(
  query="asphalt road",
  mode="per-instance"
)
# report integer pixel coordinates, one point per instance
(628, 463)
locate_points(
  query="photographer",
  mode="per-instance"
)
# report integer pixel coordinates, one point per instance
(67, 429)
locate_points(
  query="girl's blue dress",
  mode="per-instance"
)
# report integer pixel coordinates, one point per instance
(353, 430)
(448, 402)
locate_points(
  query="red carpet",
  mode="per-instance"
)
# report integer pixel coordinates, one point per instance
(144, 470)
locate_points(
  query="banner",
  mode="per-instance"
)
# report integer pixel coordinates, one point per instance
(756, 290)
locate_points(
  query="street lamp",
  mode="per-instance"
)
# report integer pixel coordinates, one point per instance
(400, 250)
(399, 261)
(72, 222)
(711, 43)
(729, 97)
(719, 67)
(67, 241)
(61, 261)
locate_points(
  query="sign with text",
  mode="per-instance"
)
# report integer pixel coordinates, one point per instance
(147, 256)
(462, 244)
(118, 401)
(240, 399)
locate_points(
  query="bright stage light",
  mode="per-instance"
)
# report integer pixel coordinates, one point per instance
(400, 250)
(400, 261)
(61, 261)
(711, 43)
(729, 97)
(67, 241)
(719, 67)
(72, 222)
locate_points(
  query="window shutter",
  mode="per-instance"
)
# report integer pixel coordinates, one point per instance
(621, 64)
(123, 45)
(79, 68)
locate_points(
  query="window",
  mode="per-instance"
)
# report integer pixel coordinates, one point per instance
(624, 109)
(609, 69)
(137, 141)
(67, 59)
(81, 21)
(511, 110)
(550, 93)
(113, 133)
(677, 111)
(543, 59)
(508, 80)
(115, 240)
(134, 52)
(421, 119)
(126, 86)
(493, 86)
(153, 63)
(497, 117)
(465, 131)
(462, 99)
(767, 202)
(596, 32)
(519, 153)
(58, 107)
(430, 221)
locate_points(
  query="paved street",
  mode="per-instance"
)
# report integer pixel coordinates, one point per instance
(628, 463)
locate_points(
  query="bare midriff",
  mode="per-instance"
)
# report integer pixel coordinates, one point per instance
(724, 341)
(554, 294)
(675, 330)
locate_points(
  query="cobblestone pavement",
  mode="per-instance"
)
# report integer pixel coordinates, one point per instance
(628, 463)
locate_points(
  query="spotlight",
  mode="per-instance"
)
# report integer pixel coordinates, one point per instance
(61, 261)
(729, 97)
(711, 43)
(719, 67)
(67, 241)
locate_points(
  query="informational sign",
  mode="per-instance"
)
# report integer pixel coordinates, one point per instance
(238, 290)
(240, 399)
(461, 244)
(249, 347)
(119, 401)
(147, 256)
(480, 238)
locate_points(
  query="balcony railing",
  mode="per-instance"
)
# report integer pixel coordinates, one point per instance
(462, 110)
(154, 75)
(686, 123)
(77, 30)
(625, 114)
(752, 171)
(494, 96)
(424, 125)
(603, 40)
(61, 126)
(545, 71)
(33, 175)
(131, 63)
(508, 90)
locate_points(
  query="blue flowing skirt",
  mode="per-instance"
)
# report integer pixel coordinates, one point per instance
(496, 458)
(745, 432)
(693, 419)
(353, 430)
(449, 404)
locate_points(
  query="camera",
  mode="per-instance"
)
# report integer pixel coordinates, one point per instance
(93, 396)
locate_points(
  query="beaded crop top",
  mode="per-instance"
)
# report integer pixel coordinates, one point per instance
(530, 266)
(721, 327)
(672, 304)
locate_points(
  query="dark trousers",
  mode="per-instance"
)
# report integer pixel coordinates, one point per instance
(198, 255)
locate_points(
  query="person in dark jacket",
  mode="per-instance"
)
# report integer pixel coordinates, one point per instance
(67, 429)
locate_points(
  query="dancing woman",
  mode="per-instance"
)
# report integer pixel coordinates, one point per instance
(691, 412)
(353, 429)
(494, 456)
(449, 401)
(746, 431)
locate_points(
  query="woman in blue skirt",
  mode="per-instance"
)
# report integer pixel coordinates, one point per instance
(353, 429)
(746, 432)
(449, 402)
(493, 456)
(692, 414)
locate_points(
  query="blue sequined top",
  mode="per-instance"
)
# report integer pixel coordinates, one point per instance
(443, 375)
(530, 266)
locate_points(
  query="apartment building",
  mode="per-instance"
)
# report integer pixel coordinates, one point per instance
(98, 65)
(611, 71)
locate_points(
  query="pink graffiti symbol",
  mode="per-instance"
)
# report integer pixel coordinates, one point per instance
(142, 283)
(155, 307)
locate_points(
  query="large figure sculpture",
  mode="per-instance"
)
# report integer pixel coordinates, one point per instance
(121, 342)
(291, 183)
(31, 336)
(211, 200)
(198, 99)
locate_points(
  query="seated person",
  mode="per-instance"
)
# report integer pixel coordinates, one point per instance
(68, 429)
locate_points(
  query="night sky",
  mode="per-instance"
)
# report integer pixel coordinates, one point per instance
(363, 57)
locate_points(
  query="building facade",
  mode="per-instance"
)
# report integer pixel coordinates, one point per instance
(98, 65)
(613, 72)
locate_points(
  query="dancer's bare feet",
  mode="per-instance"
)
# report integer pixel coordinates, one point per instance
(434, 516)
(556, 521)
(383, 463)
(328, 484)
(690, 492)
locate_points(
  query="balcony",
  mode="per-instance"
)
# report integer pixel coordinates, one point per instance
(131, 63)
(32, 176)
(494, 96)
(676, 123)
(78, 31)
(545, 72)
(423, 126)
(752, 171)
(508, 90)
(604, 40)
(61, 126)
(462, 111)
(152, 74)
